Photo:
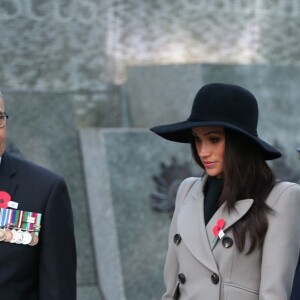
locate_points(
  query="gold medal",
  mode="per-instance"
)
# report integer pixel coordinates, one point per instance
(8, 235)
(2, 234)
(35, 239)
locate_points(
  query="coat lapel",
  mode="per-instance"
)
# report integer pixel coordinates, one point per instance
(191, 226)
(199, 239)
(8, 182)
(241, 207)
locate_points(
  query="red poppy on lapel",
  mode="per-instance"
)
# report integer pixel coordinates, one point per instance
(218, 227)
(4, 199)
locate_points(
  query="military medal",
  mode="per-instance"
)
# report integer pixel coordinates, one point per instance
(2, 234)
(34, 240)
(8, 235)
(14, 236)
(19, 236)
(27, 238)
(21, 227)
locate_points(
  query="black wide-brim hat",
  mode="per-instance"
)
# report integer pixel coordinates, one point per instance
(220, 104)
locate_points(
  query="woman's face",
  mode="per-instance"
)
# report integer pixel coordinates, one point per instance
(210, 145)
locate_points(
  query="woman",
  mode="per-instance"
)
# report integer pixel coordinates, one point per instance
(235, 233)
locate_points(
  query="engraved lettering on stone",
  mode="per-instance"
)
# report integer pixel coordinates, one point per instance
(39, 10)
(63, 12)
(10, 9)
(42, 10)
(195, 4)
(259, 7)
(88, 12)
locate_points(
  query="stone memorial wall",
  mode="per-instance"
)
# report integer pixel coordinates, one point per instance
(87, 45)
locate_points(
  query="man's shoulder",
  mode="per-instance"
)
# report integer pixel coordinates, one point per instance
(30, 168)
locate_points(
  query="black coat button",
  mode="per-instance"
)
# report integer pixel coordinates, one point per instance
(227, 242)
(181, 278)
(214, 278)
(177, 239)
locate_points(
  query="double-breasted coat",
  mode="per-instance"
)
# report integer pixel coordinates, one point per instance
(200, 266)
(46, 271)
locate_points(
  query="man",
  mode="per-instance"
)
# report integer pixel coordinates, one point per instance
(37, 245)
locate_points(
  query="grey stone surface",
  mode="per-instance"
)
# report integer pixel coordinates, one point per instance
(53, 44)
(85, 44)
(100, 108)
(163, 94)
(130, 238)
(89, 293)
(102, 213)
(41, 126)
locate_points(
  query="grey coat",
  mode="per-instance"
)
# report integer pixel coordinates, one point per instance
(201, 267)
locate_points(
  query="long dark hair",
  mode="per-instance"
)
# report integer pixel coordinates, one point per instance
(246, 175)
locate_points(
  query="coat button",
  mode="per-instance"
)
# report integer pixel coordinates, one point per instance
(214, 278)
(227, 242)
(177, 239)
(181, 278)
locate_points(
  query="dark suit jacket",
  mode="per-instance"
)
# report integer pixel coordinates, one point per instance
(46, 271)
(296, 285)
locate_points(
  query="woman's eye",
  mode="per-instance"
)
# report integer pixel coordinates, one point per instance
(215, 140)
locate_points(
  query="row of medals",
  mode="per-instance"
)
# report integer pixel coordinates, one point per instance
(18, 236)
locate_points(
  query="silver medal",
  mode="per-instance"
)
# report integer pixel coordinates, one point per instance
(14, 236)
(19, 236)
(27, 238)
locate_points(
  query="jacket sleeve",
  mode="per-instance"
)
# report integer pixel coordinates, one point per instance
(281, 247)
(171, 264)
(57, 259)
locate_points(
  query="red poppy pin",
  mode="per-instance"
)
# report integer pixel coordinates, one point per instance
(217, 230)
(4, 199)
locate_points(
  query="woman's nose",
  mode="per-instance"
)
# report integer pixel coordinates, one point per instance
(204, 150)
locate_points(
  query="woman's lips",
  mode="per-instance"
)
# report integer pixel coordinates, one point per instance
(209, 164)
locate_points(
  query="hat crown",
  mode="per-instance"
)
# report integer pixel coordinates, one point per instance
(231, 104)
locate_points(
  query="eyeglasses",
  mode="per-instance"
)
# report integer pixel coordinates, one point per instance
(3, 119)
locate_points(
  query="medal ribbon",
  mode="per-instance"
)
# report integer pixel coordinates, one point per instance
(29, 221)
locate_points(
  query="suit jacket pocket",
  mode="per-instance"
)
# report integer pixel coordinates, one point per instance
(234, 292)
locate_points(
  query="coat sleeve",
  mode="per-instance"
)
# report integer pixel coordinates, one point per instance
(171, 264)
(57, 258)
(281, 247)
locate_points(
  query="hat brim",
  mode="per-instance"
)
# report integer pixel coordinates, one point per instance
(181, 132)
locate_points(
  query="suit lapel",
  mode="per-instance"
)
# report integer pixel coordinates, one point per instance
(191, 226)
(8, 180)
(241, 207)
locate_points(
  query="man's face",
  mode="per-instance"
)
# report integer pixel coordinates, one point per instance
(2, 130)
